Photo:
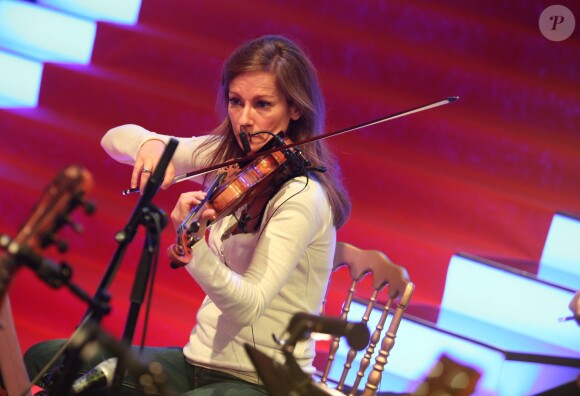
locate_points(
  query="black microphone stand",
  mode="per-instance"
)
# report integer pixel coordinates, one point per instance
(154, 222)
(141, 215)
(154, 219)
(81, 343)
(286, 379)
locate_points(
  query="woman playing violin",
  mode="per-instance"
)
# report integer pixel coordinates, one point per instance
(272, 257)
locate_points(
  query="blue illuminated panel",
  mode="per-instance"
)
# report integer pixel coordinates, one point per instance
(418, 346)
(19, 80)
(560, 262)
(510, 301)
(120, 11)
(49, 31)
(45, 34)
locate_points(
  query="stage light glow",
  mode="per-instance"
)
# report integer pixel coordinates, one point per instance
(49, 31)
(45, 34)
(125, 11)
(560, 262)
(511, 301)
(418, 346)
(19, 80)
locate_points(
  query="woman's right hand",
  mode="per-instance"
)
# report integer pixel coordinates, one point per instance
(147, 159)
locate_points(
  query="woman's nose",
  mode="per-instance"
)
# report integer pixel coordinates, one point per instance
(246, 116)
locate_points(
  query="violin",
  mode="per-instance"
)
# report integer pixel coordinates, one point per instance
(227, 198)
(234, 187)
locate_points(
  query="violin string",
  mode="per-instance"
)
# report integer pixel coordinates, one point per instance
(209, 192)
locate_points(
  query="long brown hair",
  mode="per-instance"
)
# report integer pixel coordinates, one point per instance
(296, 79)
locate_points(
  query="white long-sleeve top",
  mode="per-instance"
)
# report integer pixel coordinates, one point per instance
(254, 282)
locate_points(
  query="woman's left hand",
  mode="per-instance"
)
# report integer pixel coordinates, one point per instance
(186, 202)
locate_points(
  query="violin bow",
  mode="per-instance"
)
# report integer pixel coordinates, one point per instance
(403, 113)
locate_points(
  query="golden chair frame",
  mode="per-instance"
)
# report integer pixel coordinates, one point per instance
(400, 290)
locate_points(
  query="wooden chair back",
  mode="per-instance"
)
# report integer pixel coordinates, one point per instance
(387, 277)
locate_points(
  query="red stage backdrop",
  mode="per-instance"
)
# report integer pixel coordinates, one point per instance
(483, 175)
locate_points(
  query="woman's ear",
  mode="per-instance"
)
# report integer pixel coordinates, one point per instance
(295, 114)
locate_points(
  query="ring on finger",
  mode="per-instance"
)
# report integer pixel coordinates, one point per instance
(146, 170)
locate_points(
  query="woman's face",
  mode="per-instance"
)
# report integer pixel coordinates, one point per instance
(255, 105)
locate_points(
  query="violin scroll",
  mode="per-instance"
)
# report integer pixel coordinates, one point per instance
(180, 252)
(191, 230)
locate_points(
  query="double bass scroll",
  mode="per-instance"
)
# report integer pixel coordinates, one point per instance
(51, 213)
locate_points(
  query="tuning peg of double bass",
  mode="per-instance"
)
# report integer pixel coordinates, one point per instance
(51, 239)
(89, 207)
(79, 200)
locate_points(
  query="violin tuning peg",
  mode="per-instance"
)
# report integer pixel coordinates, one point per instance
(193, 227)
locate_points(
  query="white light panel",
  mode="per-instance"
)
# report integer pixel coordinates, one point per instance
(45, 34)
(120, 11)
(510, 301)
(19, 80)
(560, 262)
